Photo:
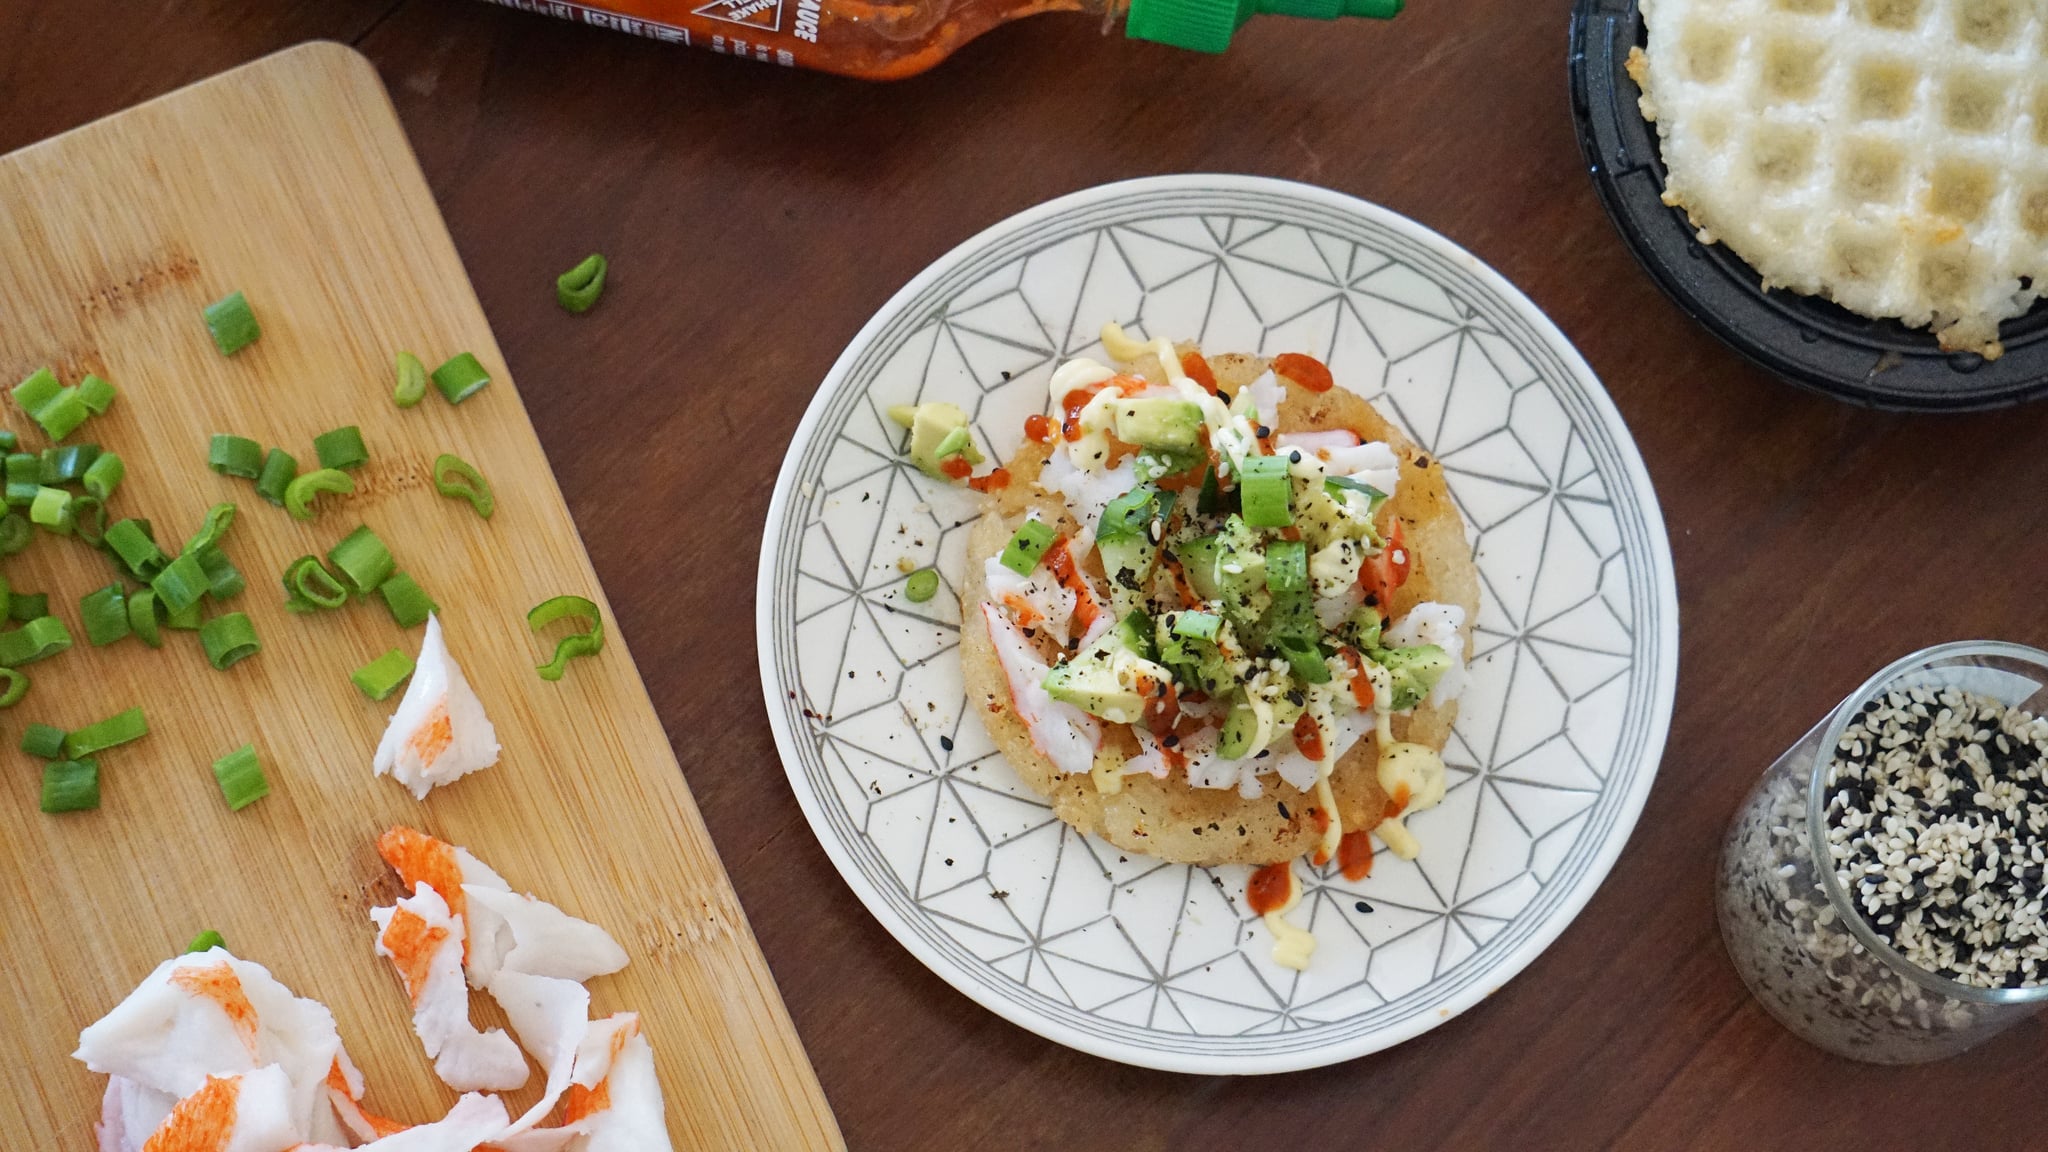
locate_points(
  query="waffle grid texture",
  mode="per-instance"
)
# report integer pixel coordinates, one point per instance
(1890, 155)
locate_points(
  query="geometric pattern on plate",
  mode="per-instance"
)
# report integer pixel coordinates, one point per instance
(1160, 964)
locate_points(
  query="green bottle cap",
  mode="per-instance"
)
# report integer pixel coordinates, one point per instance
(1206, 25)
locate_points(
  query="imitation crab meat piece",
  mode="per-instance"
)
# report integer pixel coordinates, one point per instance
(240, 1112)
(1343, 454)
(439, 733)
(1066, 735)
(1439, 624)
(424, 942)
(615, 1102)
(471, 1123)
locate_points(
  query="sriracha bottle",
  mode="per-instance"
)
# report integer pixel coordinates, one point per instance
(875, 40)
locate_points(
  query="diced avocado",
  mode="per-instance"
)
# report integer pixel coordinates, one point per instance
(1361, 629)
(1158, 422)
(1240, 737)
(1154, 463)
(1128, 563)
(1126, 535)
(1414, 671)
(1103, 679)
(1199, 663)
(1290, 620)
(1229, 568)
(937, 430)
(1135, 630)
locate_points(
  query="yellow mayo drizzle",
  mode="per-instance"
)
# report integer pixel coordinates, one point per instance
(1291, 946)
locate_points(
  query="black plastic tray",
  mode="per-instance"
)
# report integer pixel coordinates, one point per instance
(1806, 340)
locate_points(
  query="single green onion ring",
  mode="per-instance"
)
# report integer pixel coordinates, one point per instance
(39, 638)
(15, 533)
(341, 448)
(408, 602)
(468, 484)
(381, 677)
(922, 586)
(71, 786)
(105, 615)
(412, 381)
(181, 583)
(232, 455)
(240, 776)
(89, 516)
(362, 560)
(17, 687)
(228, 640)
(578, 288)
(299, 494)
(142, 617)
(104, 475)
(309, 585)
(232, 323)
(43, 741)
(585, 643)
(279, 467)
(219, 519)
(460, 377)
(115, 730)
(23, 607)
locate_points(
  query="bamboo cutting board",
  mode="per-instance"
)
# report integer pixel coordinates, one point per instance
(290, 180)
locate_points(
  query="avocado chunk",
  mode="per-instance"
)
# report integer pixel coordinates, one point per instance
(1199, 663)
(1414, 671)
(1158, 422)
(937, 430)
(1229, 568)
(1104, 679)
(1126, 537)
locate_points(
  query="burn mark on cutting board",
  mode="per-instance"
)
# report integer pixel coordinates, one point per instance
(117, 297)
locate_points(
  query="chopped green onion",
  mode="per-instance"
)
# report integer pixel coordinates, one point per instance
(89, 516)
(23, 607)
(45, 741)
(1307, 662)
(64, 464)
(412, 381)
(235, 456)
(105, 613)
(1264, 489)
(115, 730)
(206, 941)
(15, 533)
(381, 677)
(586, 643)
(181, 583)
(219, 519)
(52, 510)
(8, 441)
(104, 475)
(1197, 625)
(39, 638)
(71, 786)
(1338, 485)
(38, 389)
(1287, 566)
(185, 619)
(241, 778)
(299, 494)
(408, 603)
(578, 288)
(17, 687)
(1024, 550)
(341, 448)
(130, 541)
(24, 468)
(229, 640)
(22, 494)
(142, 617)
(232, 324)
(309, 585)
(223, 580)
(469, 484)
(279, 467)
(460, 377)
(63, 414)
(362, 560)
(96, 394)
(922, 586)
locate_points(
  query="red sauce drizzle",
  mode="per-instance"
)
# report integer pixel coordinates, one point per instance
(993, 482)
(1306, 371)
(1038, 428)
(956, 467)
(1198, 370)
(1308, 738)
(1361, 684)
(1398, 802)
(1269, 888)
(1060, 562)
(1354, 854)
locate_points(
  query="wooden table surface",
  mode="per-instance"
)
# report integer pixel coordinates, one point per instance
(755, 217)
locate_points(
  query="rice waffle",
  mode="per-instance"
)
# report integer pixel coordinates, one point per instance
(1890, 155)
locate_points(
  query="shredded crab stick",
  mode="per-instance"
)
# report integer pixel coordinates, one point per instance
(1066, 735)
(241, 1112)
(439, 733)
(615, 1102)
(450, 870)
(533, 937)
(345, 1092)
(470, 1124)
(424, 942)
(208, 1014)
(551, 1017)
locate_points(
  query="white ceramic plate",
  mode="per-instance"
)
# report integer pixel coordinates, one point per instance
(1161, 965)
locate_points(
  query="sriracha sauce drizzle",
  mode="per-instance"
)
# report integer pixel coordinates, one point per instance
(1270, 887)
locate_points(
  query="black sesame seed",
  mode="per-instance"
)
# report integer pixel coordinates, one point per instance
(1362, 906)
(946, 742)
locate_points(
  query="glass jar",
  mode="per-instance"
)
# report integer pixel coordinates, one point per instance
(1793, 932)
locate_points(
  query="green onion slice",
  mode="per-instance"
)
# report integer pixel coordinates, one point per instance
(381, 677)
(89, 517)
(24, 468)
(9, 442)
(279, 468)
(922, 586)
(22, 494)
(42, 637)
(578, 288)
(66, 463)
(51, 509)
(130, 540)
(114, 731)
(96, 394)
(241, 778)
(309, 585)
(468, 484)
(362, 560)
(1306, 661)
(71, 786)
(44, 741)
(1287, 566)
(1197, 625)
(206, 942)
(228, 640)
(460, 377)
(235, 456)
(223, 580)
(1264, 489)
(1341, 484)
(299, 494)
(104, 475)
(341, 448)
(219, 519)
(185, 619)
(15, 533)
(181, 583)
(37, 389)
(105, 613)
(23, 607)
(1027, 546)
(142, 618)
(17, 687)
(586, 643)
(412, 381)
(232, 324)
(62, 416)
(409, 604)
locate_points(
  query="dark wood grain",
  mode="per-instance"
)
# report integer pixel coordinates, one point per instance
(756, 217)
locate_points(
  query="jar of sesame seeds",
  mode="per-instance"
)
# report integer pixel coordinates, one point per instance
(1881, 889)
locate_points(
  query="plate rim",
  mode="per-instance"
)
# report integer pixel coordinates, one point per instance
(1662, 696)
